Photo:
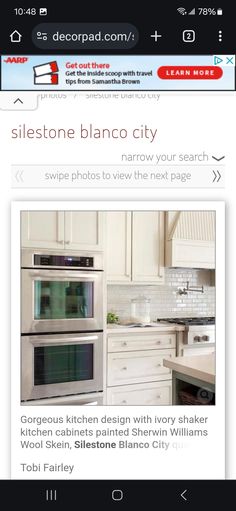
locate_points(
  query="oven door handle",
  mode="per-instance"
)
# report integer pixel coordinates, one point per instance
(62, 275)
(64, 340)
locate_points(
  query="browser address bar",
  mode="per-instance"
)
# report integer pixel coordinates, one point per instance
(58, 36)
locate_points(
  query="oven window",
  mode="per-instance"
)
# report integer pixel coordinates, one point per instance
(63, 300)
(61, 364)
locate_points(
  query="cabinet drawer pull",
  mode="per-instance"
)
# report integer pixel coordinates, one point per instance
(159, 365)
(124, 402)
(158, 342)
(124, 343)
(67, 242)
(158, 396)
(61, 242)
(124, 368)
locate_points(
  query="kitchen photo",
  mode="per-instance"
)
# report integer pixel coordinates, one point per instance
(117, 307)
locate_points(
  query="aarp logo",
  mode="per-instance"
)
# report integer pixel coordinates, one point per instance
(16, 60)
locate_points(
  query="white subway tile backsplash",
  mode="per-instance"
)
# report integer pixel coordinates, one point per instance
(165, 301)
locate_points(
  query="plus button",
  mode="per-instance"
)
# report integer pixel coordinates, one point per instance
(156, 36)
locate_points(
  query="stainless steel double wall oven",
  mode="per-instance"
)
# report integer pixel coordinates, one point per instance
(61, 324)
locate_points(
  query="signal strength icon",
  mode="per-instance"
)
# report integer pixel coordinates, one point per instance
(192, 12)
(181, 10)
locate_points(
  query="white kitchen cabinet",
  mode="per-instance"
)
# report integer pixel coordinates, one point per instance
(83, 230)
(62, 230)
(148, 247)
(147, 394)
(135, 247)
(135, 371)
(42, 229)
(118, 254)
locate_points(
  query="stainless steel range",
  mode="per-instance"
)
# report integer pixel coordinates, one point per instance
(197, 336)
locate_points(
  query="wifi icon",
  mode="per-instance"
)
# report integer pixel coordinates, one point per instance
(181, 10)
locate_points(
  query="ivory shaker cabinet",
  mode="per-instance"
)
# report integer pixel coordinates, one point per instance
(63, 230)
(135, 247)
(135, 371)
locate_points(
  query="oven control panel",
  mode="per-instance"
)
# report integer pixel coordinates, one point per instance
(202, 336)
(63, 260)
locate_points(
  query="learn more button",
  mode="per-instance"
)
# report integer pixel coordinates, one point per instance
(190, 72)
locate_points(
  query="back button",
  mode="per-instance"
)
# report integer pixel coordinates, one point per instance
(183, 495)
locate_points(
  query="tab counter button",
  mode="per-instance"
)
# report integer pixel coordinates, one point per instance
(190, 72)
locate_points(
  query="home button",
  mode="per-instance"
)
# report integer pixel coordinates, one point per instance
(117, 495)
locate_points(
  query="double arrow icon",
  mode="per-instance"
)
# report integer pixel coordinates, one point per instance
(217, 176)
(19, 176)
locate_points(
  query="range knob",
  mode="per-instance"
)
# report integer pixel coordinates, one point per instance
(197, 338)
(205, 338)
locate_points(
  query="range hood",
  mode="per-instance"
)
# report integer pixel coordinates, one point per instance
(190, 239)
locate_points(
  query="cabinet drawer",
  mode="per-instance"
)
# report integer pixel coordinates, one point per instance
(149, 394)
(136, 342)
(138, 367)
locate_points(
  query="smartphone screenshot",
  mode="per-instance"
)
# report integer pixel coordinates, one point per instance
(118, 269)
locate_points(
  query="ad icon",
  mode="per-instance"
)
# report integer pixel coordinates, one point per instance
(217, 60)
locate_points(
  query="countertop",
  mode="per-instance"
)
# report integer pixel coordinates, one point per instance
(201, 367)
(156, 327)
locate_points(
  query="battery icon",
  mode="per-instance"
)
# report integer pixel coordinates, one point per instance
(219, 12)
